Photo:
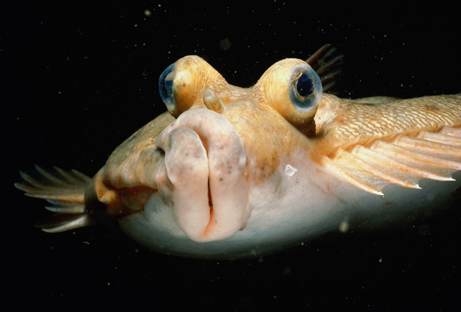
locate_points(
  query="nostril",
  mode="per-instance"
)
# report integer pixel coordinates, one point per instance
(212, 102)
(161, 151)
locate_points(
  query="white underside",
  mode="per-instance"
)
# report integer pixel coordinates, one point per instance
(294, 206)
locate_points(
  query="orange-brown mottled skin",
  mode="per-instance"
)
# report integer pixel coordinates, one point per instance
(230, 171)
(193, 77)
(260, 110)
(252, 108)
(345, 124)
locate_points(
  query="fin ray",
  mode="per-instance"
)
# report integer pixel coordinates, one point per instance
(64, 222)
(326, 62)
(65, 191)
(337, 171)
(403, 161)
(55, 185)
(440, 138)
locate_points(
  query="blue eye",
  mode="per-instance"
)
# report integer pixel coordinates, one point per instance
(177, 85)
(306, 88)
(165, 85)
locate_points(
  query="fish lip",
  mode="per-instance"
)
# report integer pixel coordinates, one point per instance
(205, 163)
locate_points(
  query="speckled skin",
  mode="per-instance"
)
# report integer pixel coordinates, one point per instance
(209, 178)
(343, 123)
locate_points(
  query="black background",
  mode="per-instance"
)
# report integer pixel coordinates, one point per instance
(81, 76)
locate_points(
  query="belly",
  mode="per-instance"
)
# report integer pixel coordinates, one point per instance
(297, 211)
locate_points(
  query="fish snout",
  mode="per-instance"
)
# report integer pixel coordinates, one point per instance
(205, 164)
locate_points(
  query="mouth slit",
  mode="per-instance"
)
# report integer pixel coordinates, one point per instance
(210, 199)
(210, 204)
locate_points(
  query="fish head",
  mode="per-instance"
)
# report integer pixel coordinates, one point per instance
(228, 145)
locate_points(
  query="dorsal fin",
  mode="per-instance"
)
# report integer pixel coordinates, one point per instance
(327, 64)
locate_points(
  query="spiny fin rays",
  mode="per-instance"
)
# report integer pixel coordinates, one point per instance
(404, 161)
(58, 185)
(65, 191)
(327, 62)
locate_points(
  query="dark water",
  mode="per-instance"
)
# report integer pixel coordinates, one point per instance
(82, 77)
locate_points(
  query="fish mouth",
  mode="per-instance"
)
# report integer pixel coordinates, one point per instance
(204, 179)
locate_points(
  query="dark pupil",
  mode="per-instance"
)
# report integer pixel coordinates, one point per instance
(304, 85)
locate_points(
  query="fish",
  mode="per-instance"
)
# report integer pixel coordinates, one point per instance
(229, 172)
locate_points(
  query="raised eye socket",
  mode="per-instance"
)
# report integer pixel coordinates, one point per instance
(178, 84)
(306, 88)
(293, 89)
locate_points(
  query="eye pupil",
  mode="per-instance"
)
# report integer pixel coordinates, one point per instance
(304, 86)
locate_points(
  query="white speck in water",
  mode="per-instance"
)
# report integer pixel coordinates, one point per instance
(344, 225)
(290, 171)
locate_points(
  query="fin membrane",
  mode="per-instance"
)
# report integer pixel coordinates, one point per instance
(65, 191)
(404, 161)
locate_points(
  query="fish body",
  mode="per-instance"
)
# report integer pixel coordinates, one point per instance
(231, 172)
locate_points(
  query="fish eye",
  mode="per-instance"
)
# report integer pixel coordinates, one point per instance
(306, 88)
(165, 86)
(177, 86)
(293, 89)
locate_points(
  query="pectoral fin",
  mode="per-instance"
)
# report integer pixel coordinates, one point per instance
(403, 161)
(65, 191)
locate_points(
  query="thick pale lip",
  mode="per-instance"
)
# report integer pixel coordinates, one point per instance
(205, 164)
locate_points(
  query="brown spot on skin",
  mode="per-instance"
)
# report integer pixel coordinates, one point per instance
(431, 108)
(339, 120)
